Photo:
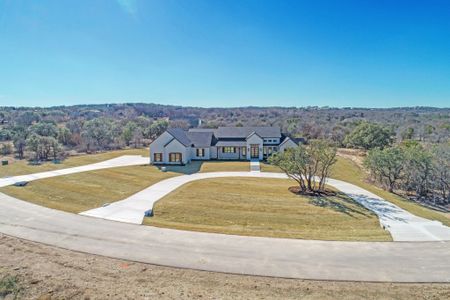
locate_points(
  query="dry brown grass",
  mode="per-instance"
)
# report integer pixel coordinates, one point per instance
(264, 207)
(347, 170)
(350, 170)
(22, 167)
(87, 190)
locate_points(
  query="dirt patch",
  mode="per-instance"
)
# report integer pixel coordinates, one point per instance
(296, 190)
(51, 273)
(355, 155)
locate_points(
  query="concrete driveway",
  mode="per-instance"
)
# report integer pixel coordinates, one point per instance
(290, 258)
(122, 161)
(402, 225)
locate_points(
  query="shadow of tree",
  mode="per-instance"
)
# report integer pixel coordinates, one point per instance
(382, 208)
(340, 203)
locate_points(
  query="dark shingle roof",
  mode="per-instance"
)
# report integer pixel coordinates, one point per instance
(180, 135)
(243, 132)
(200, 138)
(203, 137)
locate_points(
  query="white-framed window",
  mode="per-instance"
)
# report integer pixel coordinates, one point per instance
(200, 152)
(157, 157)
(229, 150)
(174, 157)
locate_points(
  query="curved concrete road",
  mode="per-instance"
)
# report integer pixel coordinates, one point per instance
(290, 258)
(402, 225)
(321, 260)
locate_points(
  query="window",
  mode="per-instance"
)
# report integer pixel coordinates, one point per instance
(174, 157)
(200, 152)
(229, 150)
(157, 157)
(244, 151)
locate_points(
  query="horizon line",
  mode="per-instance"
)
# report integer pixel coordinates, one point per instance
(228, 107)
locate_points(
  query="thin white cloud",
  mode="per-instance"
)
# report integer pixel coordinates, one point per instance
(129, 6)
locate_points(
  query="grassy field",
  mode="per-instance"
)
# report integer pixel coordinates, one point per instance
(211, 166)
(347, 170)
(21, 167)
(266, 167)
(264, 207)
(87, 190)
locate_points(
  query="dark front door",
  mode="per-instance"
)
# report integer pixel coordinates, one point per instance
(254, 151)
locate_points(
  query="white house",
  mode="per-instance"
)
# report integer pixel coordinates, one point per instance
(178, 146)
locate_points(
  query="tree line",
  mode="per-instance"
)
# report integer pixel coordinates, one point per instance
(43, 140)
(424, 124)
(422, 171)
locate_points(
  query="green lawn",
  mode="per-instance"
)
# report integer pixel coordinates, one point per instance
(82, 191)
(21, 167)
(264, 207)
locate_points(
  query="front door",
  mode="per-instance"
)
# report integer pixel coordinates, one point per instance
(254, 151)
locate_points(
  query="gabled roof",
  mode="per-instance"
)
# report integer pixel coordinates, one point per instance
(200, 138)
(297, 141)
(180, 135)
(253, 133)
(284, 140)
(243, 132)
(205, 137)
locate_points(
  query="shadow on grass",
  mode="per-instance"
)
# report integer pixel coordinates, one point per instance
(340, 203)
(190, 168)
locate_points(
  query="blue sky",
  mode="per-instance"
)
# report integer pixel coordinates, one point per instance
(361, 53)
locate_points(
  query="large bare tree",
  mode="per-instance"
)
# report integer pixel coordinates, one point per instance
(309, 165)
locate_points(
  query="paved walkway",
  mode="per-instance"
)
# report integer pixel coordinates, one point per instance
(290, 258)
(402, 225)
(255, 166)
(122, 161)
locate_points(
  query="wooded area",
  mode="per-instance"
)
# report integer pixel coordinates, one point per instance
(40, 134)
(93, 127)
